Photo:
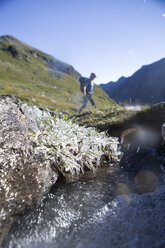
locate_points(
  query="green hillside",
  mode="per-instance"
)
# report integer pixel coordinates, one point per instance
(38, 78)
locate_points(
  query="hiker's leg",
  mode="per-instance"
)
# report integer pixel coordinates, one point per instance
(85, 100)
(91, 99)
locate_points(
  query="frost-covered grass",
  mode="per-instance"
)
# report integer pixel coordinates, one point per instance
(72, 147)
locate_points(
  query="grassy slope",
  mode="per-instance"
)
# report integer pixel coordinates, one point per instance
(30, 78)
(106, 118)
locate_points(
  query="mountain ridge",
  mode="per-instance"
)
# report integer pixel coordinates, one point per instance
(141, 87)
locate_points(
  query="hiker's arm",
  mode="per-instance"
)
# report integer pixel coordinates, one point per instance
(85, 90)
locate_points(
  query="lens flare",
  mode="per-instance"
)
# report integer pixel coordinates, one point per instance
(146, 181)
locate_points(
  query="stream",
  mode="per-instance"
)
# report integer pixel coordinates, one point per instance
(106, 211)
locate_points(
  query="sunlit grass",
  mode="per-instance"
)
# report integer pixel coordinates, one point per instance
(31, 79)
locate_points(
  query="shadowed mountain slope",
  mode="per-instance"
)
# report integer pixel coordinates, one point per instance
(145, 86)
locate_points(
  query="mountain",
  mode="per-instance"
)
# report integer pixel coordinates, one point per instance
(145, 86)
(38, 78)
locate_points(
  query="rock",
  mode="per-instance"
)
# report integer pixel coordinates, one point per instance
(13, 51)
(25, 175)
(35, 149)
(17, 54)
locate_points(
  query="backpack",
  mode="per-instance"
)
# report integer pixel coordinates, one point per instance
(83, 82)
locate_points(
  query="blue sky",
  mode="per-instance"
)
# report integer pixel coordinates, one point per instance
(112, 38)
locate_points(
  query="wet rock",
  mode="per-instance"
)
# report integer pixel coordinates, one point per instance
(25, 176)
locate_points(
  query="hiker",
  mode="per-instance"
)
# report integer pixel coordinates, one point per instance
(87, 89)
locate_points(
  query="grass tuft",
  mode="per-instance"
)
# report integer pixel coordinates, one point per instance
(73, 148)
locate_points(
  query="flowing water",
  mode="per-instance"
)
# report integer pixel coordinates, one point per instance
(104, 212)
